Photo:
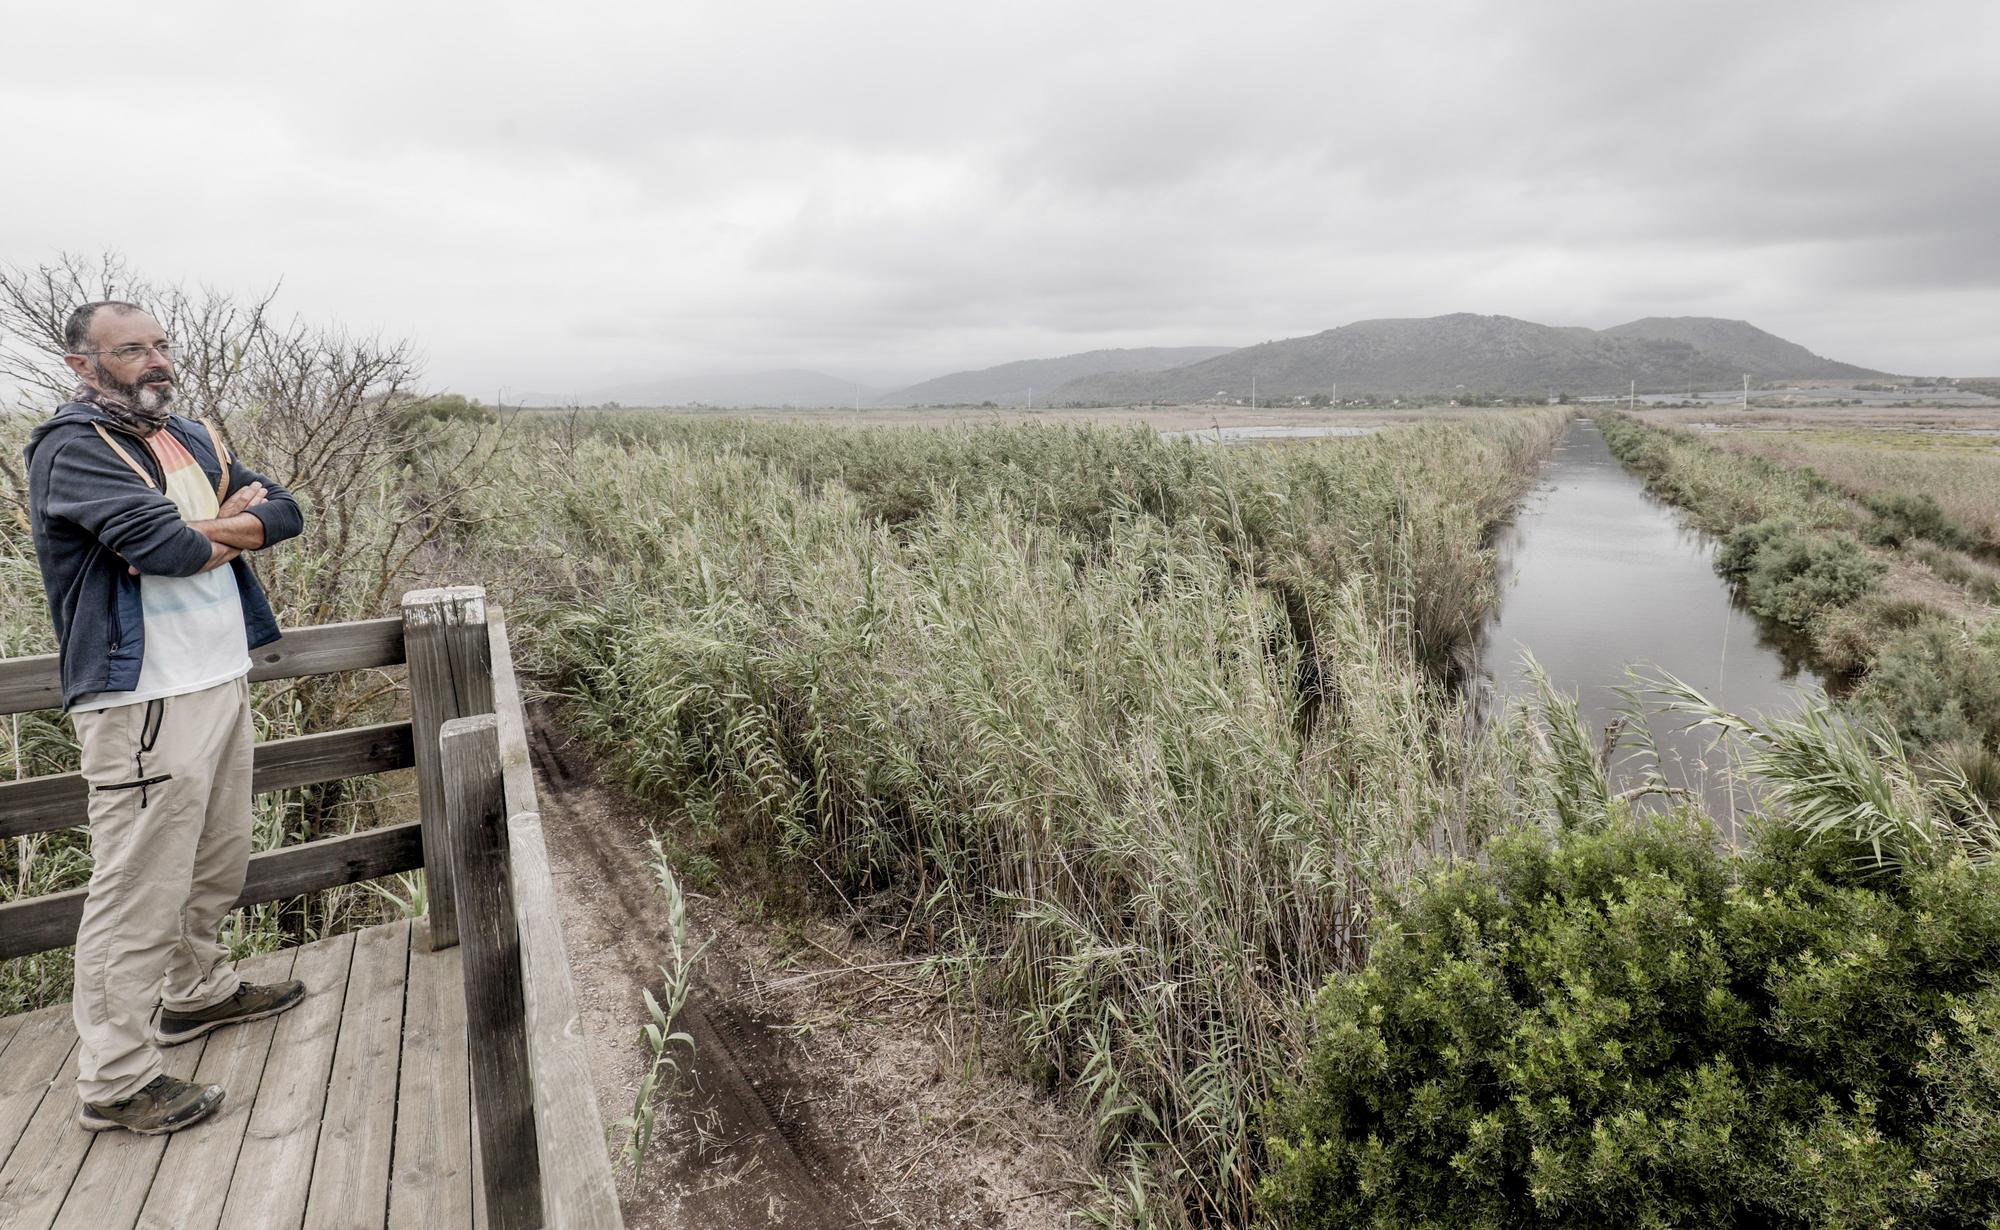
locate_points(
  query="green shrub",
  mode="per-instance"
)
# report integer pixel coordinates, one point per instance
(1791, 574)
(1738, 553)
(449, 408)
(1937, 685)
(1632, 1028)
(1903, 518)
(1847, 638)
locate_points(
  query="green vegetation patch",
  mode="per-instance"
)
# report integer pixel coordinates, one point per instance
(1937, 684)
(1793, 575)
(1627, 1027)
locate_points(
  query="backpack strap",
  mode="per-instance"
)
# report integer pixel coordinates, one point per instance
(126, 457)
(221, 460)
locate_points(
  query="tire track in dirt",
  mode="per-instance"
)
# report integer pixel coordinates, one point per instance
(737, 1143)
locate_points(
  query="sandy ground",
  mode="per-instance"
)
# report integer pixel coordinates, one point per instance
(824, 1092)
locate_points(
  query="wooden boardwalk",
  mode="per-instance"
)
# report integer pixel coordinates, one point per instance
(421, 1083)
(352, 1109)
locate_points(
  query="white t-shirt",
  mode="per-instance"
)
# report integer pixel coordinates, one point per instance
(195, 636)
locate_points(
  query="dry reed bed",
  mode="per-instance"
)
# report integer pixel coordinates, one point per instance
(1128, 735)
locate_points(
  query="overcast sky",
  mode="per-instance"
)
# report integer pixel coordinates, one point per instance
(564, 197)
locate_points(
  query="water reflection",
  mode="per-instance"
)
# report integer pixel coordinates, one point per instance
(1595, 576)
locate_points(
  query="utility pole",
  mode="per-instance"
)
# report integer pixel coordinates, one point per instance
(1746, 390)
(1632, 398)
(1253, 392)
(1030, 405)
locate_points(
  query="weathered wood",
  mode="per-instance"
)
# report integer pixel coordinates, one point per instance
(495, 1018)
(42, 1041)
(444, 637)
(118, 1167)
(274, 1167)
(578, 1189)
(35, 683)
(40, 804)
(27, 684)
(478, 1176)
(44, 1162)
(37, 924)
(193, 1178)
(430, 1181)
(350, 1179)
(326, 649)
(517, 771)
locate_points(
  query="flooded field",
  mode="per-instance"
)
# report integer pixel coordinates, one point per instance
(1598, 576)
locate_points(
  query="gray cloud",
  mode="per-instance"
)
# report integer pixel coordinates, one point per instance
(568, 197)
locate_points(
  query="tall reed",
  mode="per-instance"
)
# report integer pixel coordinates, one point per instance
(1130, 732)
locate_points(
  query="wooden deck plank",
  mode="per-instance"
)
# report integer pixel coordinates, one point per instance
(355, 1105)
(350, 1175)
(118, 1167)
(430, 1180)
(8, 1027)
(38, 1173)
(274, 1167)
(35, 1062)
(193, 1176)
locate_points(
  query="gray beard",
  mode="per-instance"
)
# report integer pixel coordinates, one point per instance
(151, 398)
(141, 407)
(148, 398)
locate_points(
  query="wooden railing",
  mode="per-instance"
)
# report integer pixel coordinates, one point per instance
(479, 843)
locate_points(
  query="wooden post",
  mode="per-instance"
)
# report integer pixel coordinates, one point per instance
(578, 1189)
(475, 830)
(451, 676)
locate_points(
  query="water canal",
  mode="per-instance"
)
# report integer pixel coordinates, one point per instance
(1596, 576)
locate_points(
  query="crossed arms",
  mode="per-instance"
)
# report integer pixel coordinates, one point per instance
(92, 490)
(233, 530)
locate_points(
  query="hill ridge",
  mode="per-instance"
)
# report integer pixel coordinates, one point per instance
(1482, 354)
(1016, 381)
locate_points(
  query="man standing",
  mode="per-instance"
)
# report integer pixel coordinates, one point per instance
(140, 520)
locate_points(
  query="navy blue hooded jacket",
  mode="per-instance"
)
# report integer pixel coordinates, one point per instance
(92, 514)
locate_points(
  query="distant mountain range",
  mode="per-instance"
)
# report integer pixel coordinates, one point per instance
(1032, 380)
(1482, 354)
(1417, 357)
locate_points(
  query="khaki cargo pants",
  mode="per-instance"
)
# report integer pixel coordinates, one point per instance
(169, 840)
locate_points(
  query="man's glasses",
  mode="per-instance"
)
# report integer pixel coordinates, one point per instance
(134, 351)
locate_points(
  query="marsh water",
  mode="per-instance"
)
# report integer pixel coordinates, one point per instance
(1596, 576)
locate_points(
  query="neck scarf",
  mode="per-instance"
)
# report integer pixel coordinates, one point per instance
(130, 417)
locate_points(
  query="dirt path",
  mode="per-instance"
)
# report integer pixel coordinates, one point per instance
(818, 1097)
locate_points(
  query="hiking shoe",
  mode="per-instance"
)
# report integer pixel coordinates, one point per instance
(252, 1002)
(164, 1105)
